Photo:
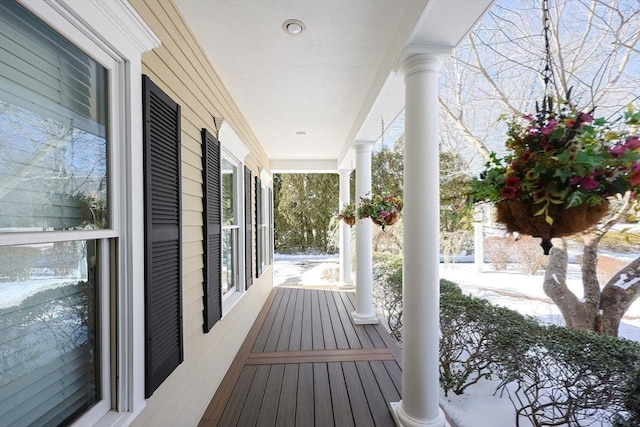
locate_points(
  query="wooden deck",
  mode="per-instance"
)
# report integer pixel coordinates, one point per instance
(304, 363)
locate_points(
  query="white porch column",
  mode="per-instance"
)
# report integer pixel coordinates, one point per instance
(420, 388)
(345, 232)
(364, 314)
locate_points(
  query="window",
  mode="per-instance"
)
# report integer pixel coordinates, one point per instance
(264, 238)
(232, 216)
(76, 82)
(230, 229)
(56, 231)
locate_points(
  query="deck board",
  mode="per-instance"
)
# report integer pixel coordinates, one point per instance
(272, 397)
(305, 411)
(305, 363)
(359, 406)
(340, 402)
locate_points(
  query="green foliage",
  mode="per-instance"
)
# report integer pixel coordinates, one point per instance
(564, 376)
(552, 375)
(304, 205)
(470, 327)
(631, 403)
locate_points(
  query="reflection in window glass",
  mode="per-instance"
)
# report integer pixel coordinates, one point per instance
(229, 228)
(229, 259)
(53, 146)
(48, 339)
(228, 185)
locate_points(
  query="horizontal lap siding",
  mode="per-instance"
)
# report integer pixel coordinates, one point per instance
(181, 69)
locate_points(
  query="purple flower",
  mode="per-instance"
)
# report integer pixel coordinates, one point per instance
(632, 143)
(550, 127)
(617, 150)
(587, 182)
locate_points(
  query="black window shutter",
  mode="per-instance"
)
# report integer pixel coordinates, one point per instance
(212, 230)
(162, 224)
(248, 238)
(258, 227)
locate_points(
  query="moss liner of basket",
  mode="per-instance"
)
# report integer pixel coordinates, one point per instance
(390, 219)
(349, 221)
(519, 216)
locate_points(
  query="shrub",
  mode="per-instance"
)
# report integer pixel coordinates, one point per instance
(552, 375)
(528, 255)
(387, 290)
(497, 250)
(16, 262)
(631, 403)
(470, 329)
(562, 376)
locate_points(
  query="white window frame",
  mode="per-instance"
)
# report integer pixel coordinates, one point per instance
(116, 36)
(265, 179)
(234, 151)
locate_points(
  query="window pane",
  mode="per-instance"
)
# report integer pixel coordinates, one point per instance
(48, 332)
(53, 146)
(228, 200)
(229, 259)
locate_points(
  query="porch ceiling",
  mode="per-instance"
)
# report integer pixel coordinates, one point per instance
(334, 81)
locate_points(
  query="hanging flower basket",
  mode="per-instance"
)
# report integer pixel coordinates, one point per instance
(520, 216)
(348, 214)
(560, 167)
(383, 208)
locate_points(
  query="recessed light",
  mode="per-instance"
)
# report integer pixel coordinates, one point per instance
(293, 26)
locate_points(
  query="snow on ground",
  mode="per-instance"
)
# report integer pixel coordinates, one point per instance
(509, 288)
(525, 295)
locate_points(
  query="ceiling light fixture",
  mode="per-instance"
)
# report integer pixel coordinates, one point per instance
(301, 133)
(293, 26)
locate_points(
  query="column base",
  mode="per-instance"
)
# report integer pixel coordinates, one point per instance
(404, 420)
(346, 286)
(364, 319)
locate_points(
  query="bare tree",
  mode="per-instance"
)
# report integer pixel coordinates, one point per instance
(497, 70)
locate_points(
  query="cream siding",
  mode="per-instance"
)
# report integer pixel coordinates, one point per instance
(183, 71)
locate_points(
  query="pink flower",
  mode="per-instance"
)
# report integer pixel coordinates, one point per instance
(635, 167)
(384, 214)
(634, 179)
(587, 182)
(617, 150)
(632, 143)
(550, 127)
(585, 117)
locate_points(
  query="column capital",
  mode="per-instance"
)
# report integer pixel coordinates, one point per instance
(423, 58)
(345, 172)
(363, 146)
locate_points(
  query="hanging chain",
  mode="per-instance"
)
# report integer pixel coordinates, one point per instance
(547, 73)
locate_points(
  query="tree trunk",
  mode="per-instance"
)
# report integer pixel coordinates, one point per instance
(555, 286)
(618, 295)
(590, 282)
